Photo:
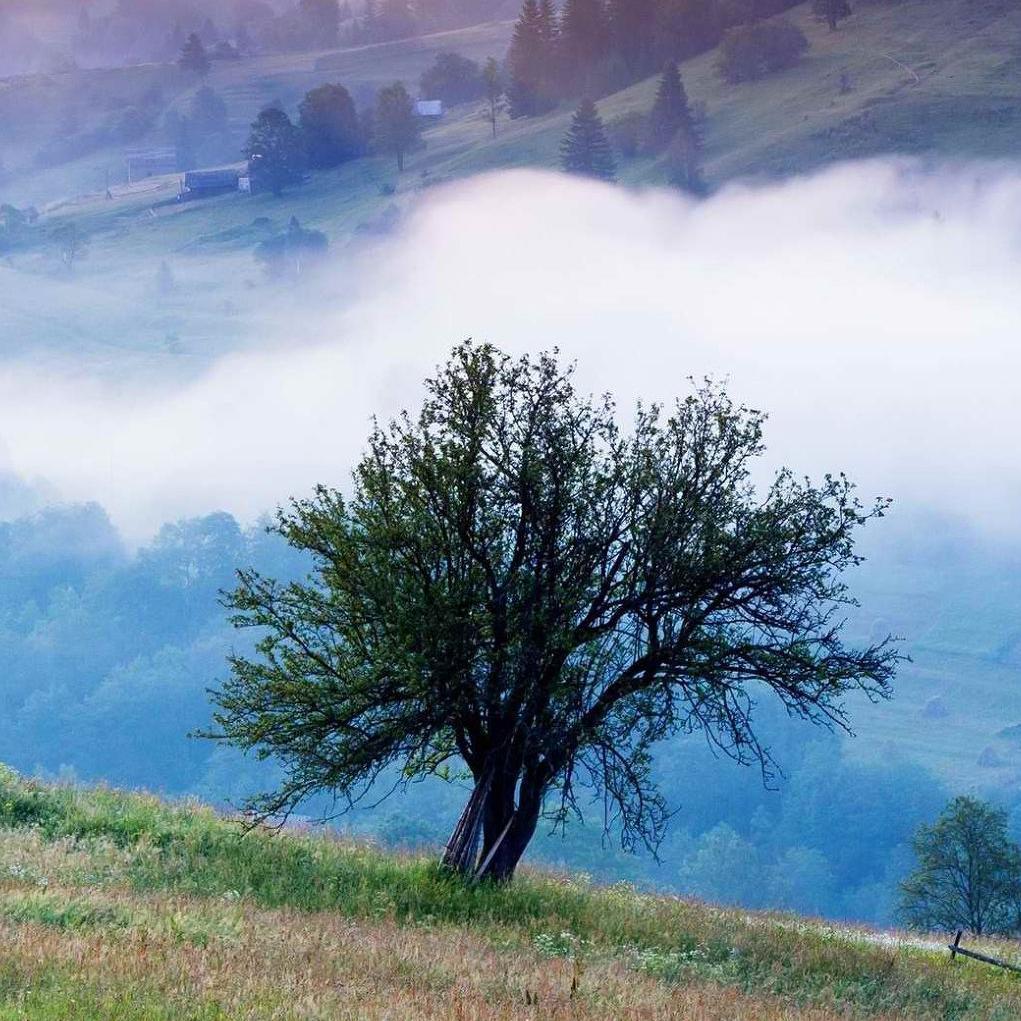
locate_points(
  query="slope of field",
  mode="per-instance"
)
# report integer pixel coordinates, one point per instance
(121, 906)
(936, 77)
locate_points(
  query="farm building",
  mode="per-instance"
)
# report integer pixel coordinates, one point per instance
(429, 108)
(143, 163)
(201, 184)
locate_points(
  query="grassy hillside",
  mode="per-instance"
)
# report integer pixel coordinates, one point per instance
(117, 906)
(926, 77)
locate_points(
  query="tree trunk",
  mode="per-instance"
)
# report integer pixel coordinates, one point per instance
(504, 823)
(508, 829)
(462, 849)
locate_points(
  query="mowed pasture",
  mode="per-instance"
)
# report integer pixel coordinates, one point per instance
(115, 905)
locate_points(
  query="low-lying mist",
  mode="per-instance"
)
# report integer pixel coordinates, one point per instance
(872, 309)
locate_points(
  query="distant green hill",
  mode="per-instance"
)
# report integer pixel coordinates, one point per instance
(922, 77)
(117, 906)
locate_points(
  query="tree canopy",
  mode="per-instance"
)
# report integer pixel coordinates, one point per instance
(670, 110)
(397, 126)
(275, 151)
(968, 874)
(518, 586)
(329, 125)
(585, 149)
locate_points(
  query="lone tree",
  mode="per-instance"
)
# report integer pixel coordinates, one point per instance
(492, 79)
(585, 149)
(670, 110)
(275, 151)
(518, 585)
(329, 125)
(193, 56)
(968, 874)
(396, 123)
(831, 11)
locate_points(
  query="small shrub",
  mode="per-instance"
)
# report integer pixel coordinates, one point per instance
(749, 52)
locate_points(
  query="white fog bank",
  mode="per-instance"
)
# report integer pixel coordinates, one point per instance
(874, 311)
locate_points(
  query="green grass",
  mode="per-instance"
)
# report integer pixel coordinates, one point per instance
(148, 848)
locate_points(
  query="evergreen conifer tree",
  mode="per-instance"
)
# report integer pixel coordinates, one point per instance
(684, 161)
(193, 56)
(583, 46)
(632, 32)
(585, 149)
(549, 22)
(528, 62)
(670, 111)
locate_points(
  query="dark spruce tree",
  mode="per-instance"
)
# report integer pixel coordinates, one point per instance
(275, 151)
(329, 125)
(583, 47)
(684, 161)
(670, 110)
(529, 63)
(832, 11)
(585, 149)
(632, 29)
(193, 56)
(517, 586)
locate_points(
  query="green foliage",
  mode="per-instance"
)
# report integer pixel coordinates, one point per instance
(58, 912)
(512, 583)
(670, 110)
(275, 151)
(493, 86)
(530, 61)
(453, 79)
(585, 149)
(583, 46)
(330, 127)
(191, 851)
(396, 125)
(968, 874)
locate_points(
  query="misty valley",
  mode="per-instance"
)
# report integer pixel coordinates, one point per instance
(510, 509)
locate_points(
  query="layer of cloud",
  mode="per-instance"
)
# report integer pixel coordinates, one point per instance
(874, 310)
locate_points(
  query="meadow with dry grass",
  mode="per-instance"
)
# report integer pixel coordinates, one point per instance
(121, 906)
